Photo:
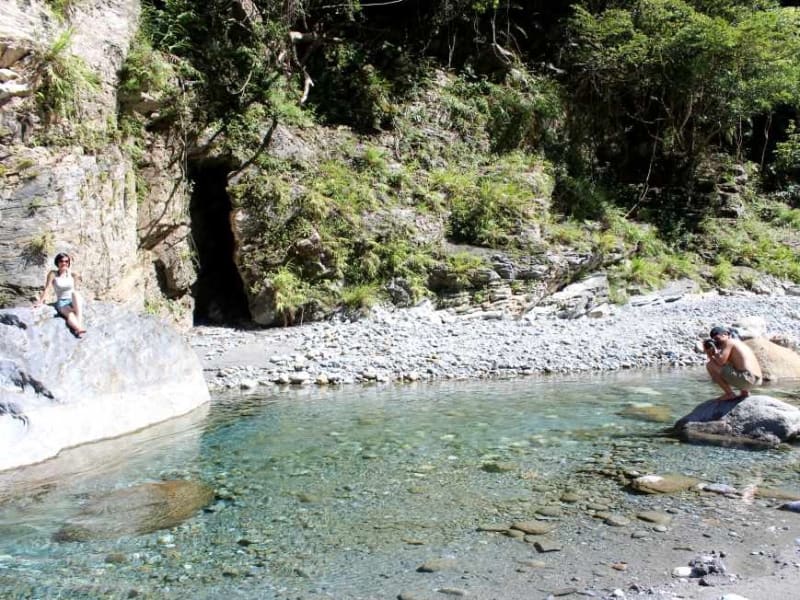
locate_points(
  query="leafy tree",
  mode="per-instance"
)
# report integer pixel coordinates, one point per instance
(656, 84)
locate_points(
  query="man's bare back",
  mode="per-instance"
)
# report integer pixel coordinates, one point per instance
(743, 359)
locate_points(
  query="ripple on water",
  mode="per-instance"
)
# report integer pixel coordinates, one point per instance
(317, 491)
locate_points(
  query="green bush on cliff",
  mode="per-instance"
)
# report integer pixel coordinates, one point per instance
(495, 203)
(62, 80)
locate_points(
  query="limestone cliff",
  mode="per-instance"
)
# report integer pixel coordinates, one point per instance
(68, 183)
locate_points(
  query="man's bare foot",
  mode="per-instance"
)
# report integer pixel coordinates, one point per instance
(744, 394)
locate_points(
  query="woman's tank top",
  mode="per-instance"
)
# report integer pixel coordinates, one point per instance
(63, 285)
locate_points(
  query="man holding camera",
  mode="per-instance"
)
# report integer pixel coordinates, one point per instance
(731, 363)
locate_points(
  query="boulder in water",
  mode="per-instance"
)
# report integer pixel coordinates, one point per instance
(761, 420)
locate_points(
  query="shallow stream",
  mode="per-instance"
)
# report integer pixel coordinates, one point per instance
(345, 493)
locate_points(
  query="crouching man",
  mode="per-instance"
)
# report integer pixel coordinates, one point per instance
(731, 363)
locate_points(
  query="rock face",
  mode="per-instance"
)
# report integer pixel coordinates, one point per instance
(776, 362)
(125, 223)
(135, 510)
(57, 391)
(757, 418)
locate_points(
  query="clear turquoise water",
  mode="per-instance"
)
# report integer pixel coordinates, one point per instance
(343, 493)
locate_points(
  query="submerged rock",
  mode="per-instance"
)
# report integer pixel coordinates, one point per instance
(644, 411)
(757, 421)
(56, 391)
(136, 510)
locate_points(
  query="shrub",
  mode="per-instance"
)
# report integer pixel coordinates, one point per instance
(62, 79)
(361, 297)
(722, 273)
(291, 294)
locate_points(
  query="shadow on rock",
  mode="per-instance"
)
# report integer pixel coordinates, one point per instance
(136, 510)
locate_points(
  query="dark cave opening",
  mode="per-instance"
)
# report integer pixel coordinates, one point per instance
(218, 292)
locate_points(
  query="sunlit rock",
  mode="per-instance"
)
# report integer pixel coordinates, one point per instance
(56, 391)
(777, 362)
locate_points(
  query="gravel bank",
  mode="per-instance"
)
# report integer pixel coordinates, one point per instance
(425, 344)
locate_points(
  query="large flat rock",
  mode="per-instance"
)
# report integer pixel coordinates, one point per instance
(56, 391)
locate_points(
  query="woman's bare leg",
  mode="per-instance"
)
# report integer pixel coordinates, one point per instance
(77, 306)
(72, 321)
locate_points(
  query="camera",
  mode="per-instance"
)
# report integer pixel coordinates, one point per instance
(709, 344)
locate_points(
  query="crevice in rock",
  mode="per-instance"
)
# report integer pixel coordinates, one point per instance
(219, 292)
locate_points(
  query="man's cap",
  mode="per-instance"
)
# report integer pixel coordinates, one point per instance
(719, 331)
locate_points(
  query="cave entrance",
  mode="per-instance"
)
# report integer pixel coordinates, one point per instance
(219, 292)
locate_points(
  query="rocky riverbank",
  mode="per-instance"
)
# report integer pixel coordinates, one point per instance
(425, 344)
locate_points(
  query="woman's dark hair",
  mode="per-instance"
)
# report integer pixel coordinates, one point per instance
(60, 256)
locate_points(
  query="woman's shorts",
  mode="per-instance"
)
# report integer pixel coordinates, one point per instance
(63, 303)
(744, 380)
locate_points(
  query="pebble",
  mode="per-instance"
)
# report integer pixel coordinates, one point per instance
(437, 564)
(616, 521)
(682, 572)
(533, 527)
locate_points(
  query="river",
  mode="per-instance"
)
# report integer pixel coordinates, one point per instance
(345, 493)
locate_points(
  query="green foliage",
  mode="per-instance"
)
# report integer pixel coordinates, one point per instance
(787, 159)
(789, 217)
(755, 243)
(39, 248)
(676, 266)
(62, 79)
(146, 71)
(232, 60)
(676, 80)
(489, 208)
(462, 265)
(326, 212)
(60, 7)
(351, 90)
(644, 271)
(361, 297)
(291, 293)
(523, 113)
(722, 273)
(520, 113)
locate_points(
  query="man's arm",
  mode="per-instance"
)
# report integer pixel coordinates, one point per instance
(723, 355)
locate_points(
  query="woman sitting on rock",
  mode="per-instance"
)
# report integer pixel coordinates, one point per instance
(69, 303)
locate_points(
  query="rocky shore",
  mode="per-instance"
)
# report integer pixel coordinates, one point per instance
(422, 343)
